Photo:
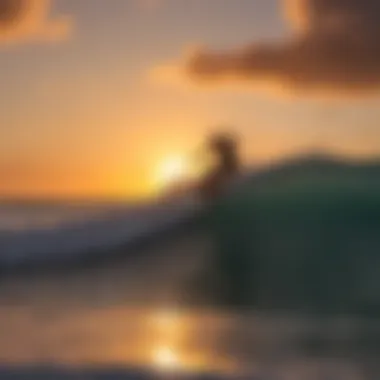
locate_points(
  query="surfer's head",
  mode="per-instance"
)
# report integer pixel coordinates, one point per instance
(222, 142)
(225, 147)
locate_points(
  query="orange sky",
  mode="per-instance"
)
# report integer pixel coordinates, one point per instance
(81, 115)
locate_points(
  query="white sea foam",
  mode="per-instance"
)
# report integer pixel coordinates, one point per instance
(39, 236)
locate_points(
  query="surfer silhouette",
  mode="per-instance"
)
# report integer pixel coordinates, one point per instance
(233, 265)
(226, 282)
(223, 148)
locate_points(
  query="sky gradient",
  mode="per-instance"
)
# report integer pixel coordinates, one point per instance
(82, 115)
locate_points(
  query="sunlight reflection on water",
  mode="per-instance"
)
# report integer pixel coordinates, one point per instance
(169, 340)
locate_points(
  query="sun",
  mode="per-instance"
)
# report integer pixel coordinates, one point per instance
(165, 359)
(171, 170)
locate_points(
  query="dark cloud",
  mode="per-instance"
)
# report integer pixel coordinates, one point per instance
(335, 46)
(10, 12)
(25, 20)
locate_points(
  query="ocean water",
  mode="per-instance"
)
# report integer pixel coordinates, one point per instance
(135, 317)
(24, 216)
(130, 319)
(48, 233)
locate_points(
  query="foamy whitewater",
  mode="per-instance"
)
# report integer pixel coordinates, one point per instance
(40, 233)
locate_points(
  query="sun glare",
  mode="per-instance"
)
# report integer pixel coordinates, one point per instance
(172, 169)
(166, 359)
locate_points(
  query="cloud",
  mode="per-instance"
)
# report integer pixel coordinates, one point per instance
(335, 46)
(29, 20)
